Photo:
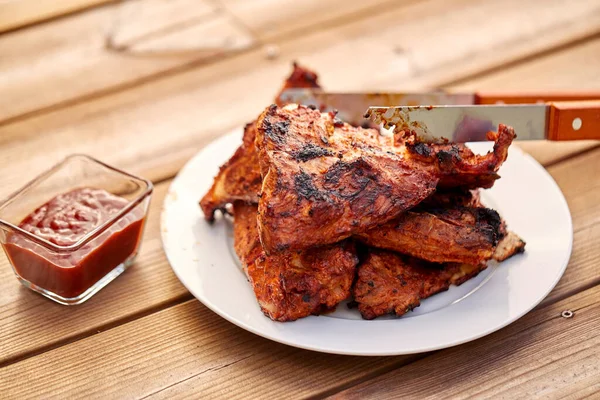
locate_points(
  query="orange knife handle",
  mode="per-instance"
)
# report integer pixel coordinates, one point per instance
(529, 98)
(574, 120)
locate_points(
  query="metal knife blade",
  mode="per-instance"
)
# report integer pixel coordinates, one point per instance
(462, 124)
(352, 106)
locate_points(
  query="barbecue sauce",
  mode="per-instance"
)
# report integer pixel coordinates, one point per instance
(65, 220)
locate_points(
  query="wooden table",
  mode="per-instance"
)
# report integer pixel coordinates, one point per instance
(62, 91)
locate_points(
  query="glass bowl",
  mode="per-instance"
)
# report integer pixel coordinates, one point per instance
(70, 273)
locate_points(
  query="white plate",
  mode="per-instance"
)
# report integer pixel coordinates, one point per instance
(527, 197)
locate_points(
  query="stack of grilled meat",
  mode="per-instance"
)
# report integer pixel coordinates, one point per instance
(325, 211)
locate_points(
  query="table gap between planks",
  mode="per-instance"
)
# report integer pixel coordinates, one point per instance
(148, 337)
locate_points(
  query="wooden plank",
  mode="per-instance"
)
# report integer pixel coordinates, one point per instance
(107, 131)
(269, 19)
(31, 322)
(429, 43)
(209, 39)
(390, 43)
(152, 129)
(575, 69)
(17, 13)
(185, 342)
(187, 351)
(67, 58)
(582, 271)
(175, 28)
(151, 166)
(132, 21)
(578, 181)
(543, 355)
(552, 152)
(155, 283)
(75, 62)
(567, 70)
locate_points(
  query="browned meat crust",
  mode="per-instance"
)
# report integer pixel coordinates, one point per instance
(510, 245)
(301, 77)
(456, 165)
(324, 180)
(389, 283)
(246, 242)
(458, 234)
(238, 179)
(452, 198)
(291, 285)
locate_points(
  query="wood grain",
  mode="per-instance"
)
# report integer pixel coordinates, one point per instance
(117, 132)
(31, 322)
(270, 19)
(154, 128)
(548, 153)
(215, 37)
(17, 13)
(76, 65)
(189, 351)
(185, 342)
(68, 58)
(453, 43)
(563, 117)
(576, 179)
(582, 271)
(543, 355)
(571, 70)
(134, 21)
(149, 114)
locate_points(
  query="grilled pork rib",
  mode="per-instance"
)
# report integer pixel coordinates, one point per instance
(300, 77)
(455, 164)
(239, 178)
(390, 283)
(319, 181)
(457, 234)
(324, 180)
(291, 285)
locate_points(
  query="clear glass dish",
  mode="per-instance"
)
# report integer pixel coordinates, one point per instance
(71, 274)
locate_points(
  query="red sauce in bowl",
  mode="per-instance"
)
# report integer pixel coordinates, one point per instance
(65, 220)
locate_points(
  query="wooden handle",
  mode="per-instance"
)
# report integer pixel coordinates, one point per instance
(574, 120)
(529, 98)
